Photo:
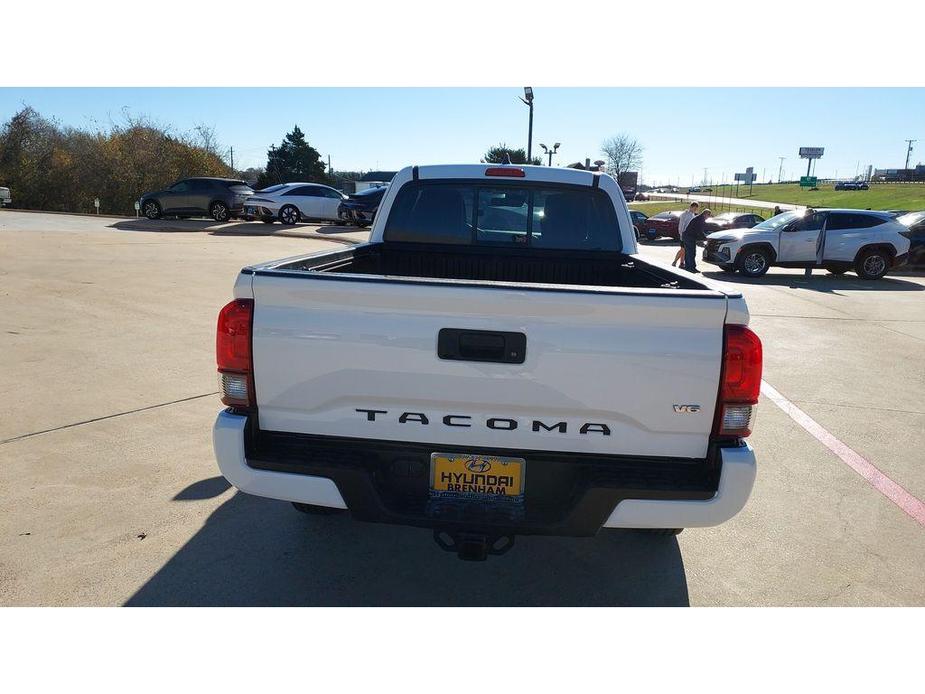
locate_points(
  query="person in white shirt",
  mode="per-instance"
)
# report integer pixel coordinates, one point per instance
(683, 221)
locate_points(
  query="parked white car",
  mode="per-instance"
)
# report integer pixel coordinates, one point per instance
(291, 203)
(869, 242)
(5, 198)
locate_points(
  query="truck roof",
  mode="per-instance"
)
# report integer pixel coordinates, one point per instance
(550, 174)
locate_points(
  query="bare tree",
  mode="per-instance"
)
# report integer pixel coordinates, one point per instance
(623, 153)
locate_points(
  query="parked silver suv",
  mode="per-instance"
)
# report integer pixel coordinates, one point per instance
(219, 198)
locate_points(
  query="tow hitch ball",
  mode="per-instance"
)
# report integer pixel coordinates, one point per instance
(473, 546)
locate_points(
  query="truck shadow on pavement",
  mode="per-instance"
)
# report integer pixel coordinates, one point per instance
(820, 282)
(254, 551)
(237, 226)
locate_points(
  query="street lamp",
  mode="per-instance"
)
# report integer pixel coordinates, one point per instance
(527, 98)
(550, 152)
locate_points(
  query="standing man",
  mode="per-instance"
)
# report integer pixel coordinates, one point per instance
(694, 232)
(683, 221)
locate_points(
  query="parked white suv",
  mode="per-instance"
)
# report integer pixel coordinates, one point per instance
(5, 198)
(868, 242)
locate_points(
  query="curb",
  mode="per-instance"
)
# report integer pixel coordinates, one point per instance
(72, 214)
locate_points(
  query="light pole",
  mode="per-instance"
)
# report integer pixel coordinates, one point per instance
(549, 152)
(781, 169)
(527, 98)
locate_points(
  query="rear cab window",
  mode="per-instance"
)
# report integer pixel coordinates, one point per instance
(514, 215)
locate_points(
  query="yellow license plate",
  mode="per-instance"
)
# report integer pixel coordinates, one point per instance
(458, 474)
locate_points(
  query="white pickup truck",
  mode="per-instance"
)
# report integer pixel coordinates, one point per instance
(497, 360)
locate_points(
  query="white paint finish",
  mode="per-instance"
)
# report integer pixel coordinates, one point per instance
(735, 486)
(736, 311)
(228, 444)
(619, 359)
(324, 348)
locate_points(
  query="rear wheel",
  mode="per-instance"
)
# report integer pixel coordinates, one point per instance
(289, 215)
(151, 209)
(219, 212)
(312, 510)
(753, 262)
(872, 265)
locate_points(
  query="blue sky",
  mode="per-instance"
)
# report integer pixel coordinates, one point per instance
(683, 130)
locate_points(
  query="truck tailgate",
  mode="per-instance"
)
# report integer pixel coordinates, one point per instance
(613, 372)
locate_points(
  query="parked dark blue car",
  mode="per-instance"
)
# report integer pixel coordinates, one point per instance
(916, 223)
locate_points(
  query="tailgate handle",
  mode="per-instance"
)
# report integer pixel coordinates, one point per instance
(482, 345)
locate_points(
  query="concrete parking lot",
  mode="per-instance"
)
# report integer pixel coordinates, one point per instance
(111, 495)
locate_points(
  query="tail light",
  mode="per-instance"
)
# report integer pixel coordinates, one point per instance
(740, 382)
(505, 171)
(234, 355)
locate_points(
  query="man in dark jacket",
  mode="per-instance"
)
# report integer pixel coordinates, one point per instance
(693, 233)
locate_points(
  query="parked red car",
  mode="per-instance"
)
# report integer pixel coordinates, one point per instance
(661, 224)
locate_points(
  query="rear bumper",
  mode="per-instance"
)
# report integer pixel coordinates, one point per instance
(566, 494)
(356, 214)
(258, 211)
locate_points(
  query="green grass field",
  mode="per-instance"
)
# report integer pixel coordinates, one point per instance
(881, 196)
(651, 208)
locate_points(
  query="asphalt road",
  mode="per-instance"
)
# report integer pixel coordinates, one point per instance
(111, 495)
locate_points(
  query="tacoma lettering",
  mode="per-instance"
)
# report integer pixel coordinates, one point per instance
(496, 423)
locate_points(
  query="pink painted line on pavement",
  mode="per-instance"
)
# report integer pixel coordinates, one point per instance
(875, 477)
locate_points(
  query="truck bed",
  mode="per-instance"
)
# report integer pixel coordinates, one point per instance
(502, 265)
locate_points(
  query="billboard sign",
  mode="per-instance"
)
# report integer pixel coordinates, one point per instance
(811, 152)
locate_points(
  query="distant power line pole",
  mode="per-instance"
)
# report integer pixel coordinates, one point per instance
(781, 169)
(232, 158)
(908, 152)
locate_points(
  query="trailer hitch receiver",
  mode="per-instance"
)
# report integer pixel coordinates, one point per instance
(473, 546)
